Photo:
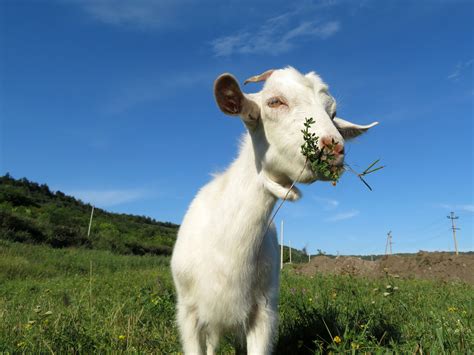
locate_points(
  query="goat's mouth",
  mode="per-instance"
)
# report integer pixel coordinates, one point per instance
(307, 176)
(333, 173)
(311, 174)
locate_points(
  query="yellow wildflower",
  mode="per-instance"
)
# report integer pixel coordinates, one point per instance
(452, 309)
(337, 339)
(122, 337)
(355, 345)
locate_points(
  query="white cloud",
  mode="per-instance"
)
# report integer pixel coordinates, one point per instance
(457, 207)
(137, 13)
(461, 69)
(343, 215)
(275, 36)
(328, 203)
(107, 198)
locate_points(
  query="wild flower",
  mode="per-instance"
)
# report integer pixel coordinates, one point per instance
(122, 337)
(21, 344)
(355, 346)
(337, 339)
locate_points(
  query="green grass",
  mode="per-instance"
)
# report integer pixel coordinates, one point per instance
(344, 313)
(75, 300)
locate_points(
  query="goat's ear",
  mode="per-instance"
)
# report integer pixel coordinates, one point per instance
(261, 77)
(228, 95)
(232, 101)
(351, 130)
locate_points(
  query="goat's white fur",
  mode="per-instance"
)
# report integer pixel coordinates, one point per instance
(223, 281)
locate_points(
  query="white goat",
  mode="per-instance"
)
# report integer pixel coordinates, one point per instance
(225, 262)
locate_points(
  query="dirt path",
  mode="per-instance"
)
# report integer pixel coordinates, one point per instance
(423, 265)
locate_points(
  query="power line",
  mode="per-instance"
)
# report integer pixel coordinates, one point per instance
(452, 217)
(422, 228)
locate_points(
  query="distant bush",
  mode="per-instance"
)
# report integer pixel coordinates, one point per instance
(19, 229)
(64, 236)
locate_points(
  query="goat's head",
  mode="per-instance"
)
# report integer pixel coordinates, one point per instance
(275, 117)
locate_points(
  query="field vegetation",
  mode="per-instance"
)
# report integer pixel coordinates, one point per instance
(77, 300)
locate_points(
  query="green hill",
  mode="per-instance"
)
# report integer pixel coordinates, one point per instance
(32, 213)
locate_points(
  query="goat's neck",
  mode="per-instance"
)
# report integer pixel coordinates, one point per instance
(250, 194)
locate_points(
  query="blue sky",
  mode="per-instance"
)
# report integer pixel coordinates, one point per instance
(111, 101)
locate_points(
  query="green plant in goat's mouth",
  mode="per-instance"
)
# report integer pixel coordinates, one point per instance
(320, 160)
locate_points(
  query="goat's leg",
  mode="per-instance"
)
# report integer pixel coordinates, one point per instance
(191, 332)
(212, 340)
(262, 327)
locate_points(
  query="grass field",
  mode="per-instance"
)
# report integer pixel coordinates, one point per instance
(74, 300)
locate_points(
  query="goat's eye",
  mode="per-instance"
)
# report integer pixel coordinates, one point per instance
(275, 102)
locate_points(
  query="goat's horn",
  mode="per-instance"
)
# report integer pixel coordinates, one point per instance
(261, 77)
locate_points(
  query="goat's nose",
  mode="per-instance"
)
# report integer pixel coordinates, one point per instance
(332, 145)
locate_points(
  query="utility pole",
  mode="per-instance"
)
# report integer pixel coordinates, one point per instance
(309, 257)
(90, 222)
(388, 244)
(289, 242)
(452, 217)
(281, 246)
